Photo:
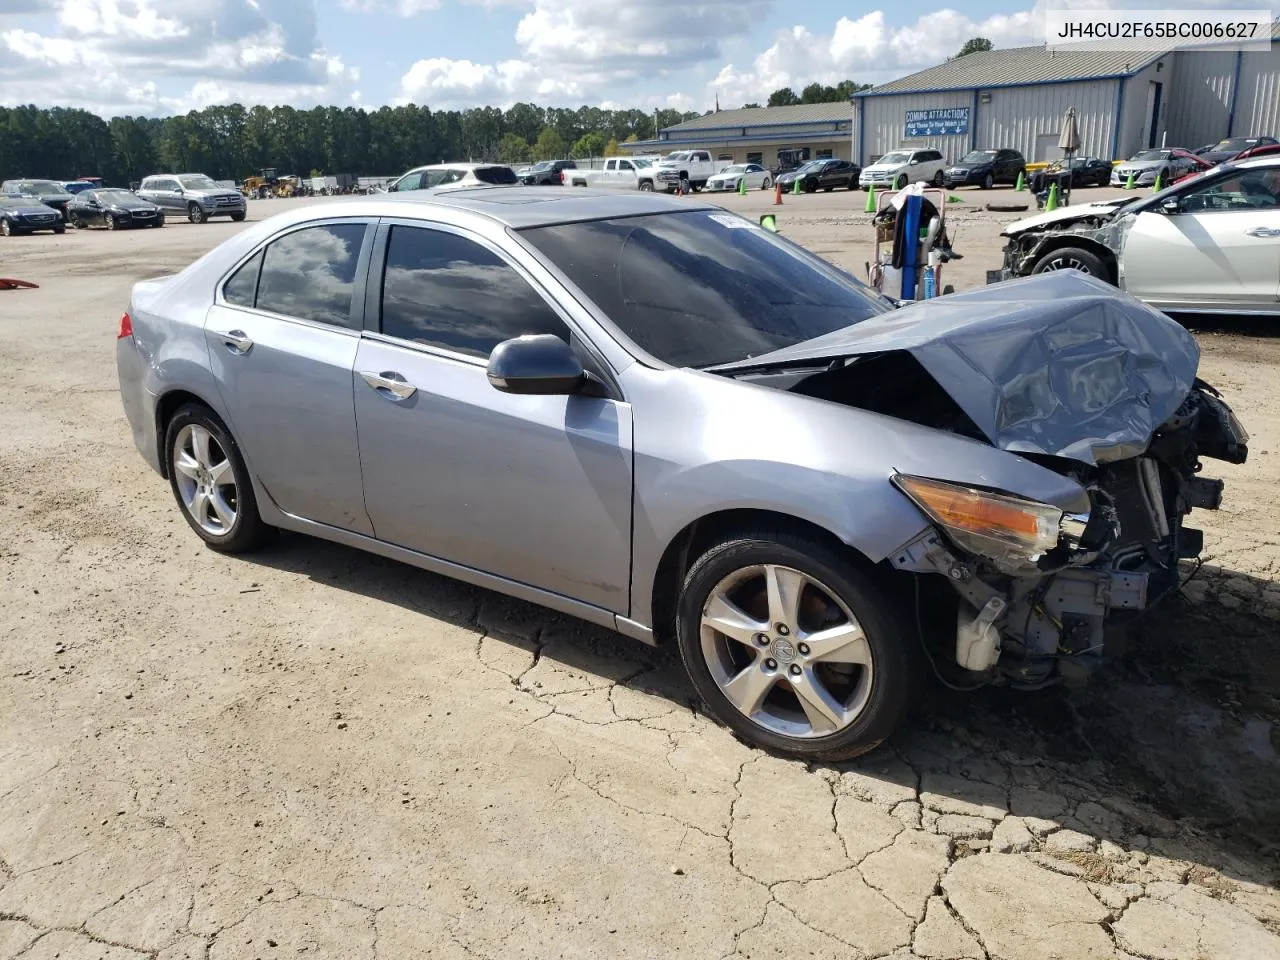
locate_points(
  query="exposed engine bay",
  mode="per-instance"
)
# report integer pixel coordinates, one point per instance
(1100, 227)
(1078, 378)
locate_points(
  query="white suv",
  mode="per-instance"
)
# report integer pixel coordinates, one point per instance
(897, 168)
(454, 175)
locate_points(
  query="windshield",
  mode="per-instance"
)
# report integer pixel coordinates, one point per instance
(24, 202)
(1143, 155)
(736, 168)
(115, 196)
(1235, 145)
(41, 187)
(899, 157)
(643, 163)
(700, 288)
(812, 165)
(197, 182)
(678, 155)
(499, 175)
(978, 156)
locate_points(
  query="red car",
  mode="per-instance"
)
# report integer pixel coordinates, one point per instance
(1261, 150)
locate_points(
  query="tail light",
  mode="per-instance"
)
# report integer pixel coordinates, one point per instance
(126, 327)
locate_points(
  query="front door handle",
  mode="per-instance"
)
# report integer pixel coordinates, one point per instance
(1263, 232)
(237, 342)
(389, 382)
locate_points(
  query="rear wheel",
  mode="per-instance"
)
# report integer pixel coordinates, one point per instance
(938, 179)
(195, 214)
(210, 481)
(988, 181)
(900, 182)
(792, 647)
(766, 183)
(1073, 258)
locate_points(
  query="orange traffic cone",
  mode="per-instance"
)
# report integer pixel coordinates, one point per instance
(777, 194)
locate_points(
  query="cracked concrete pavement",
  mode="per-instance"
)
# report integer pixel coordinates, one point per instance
(321, 753)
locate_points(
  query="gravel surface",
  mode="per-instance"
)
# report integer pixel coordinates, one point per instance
(316, 752)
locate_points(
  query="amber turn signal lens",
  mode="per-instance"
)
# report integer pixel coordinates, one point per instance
(1012, 521)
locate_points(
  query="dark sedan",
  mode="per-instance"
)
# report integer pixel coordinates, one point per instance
(546, 173)
(26, 215)
(826, 174)
(49, 192)
(113, 209)
(1224, 150)
(1085, 172)
(985, 168)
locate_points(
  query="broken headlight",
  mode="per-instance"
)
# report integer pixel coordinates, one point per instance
(1011, 532)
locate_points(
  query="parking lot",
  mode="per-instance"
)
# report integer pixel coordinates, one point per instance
(315, 752)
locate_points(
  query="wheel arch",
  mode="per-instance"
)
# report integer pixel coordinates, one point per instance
(1105, 253)
(697, 536)
(167, 405)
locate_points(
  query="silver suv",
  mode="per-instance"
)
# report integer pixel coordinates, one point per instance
(194, 194)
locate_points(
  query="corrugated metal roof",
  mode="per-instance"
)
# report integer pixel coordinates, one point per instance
(770, 116)
(1020, 65)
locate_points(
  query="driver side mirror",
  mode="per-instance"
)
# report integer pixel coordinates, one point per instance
(1171, 206)
(539, 364)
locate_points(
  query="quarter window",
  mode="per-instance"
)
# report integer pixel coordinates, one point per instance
(447, 291)
(242, 288)
(310, 274)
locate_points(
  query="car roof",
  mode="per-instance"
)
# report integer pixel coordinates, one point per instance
(455, 166)
(518, 206)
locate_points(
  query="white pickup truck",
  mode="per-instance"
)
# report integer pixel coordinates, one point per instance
(622, 173)
(693, 167)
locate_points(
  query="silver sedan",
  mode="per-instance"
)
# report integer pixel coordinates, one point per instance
(731, 178)
(667, 420)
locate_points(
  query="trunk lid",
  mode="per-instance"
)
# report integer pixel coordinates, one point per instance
(1061, 364)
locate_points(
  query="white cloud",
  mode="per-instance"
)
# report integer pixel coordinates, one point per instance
(192, 53)
(572, 51)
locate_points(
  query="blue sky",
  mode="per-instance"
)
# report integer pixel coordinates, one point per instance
(166, 56)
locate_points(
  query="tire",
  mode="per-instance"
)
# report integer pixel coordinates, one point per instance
(157, 222)
(74, 220)
(900, 182)
(1104, 180)
(1065, 258)
(6, 228)
(939, 180)
(853, 183)
(109, 221)
(684, 187)
(868, 703)
(828, 189)
(238, 217)
(195, 214)
(245, 530)
(766, 184)
(59, 230)
(988, 181)
(646, 186)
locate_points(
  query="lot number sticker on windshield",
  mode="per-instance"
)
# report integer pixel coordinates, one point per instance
(732, 222)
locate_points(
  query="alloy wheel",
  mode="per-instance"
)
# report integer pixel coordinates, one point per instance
(1066, 263)
(205, 480)
(786, 651)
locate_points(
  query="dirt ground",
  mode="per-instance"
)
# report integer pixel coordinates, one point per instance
(315, 752)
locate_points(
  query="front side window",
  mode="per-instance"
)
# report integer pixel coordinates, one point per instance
(1256, 189)
(310, 273)
(702, 288)
(447, 291)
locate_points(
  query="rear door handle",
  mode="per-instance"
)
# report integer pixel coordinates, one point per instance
(1263, 232)
(389, 382)
(237, 342)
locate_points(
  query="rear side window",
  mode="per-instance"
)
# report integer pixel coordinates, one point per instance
(447, 291)
(310, 273)
(242, 288)
(497, 175)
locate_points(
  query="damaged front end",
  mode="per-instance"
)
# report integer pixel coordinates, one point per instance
(1043, 592)
(1067, 372)
(1100, 228)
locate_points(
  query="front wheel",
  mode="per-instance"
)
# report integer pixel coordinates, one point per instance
(109, 221)
(901, 182)
(210, 481)
(195, 214)
(6, 228)
(792, 647)
(646, 186)
(1073, 258)
(939, 179)
(237, 217)
(59, 230)
(988, 181)
(766, 183)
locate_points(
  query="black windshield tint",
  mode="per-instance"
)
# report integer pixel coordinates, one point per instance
(700, 288)
(978, 156)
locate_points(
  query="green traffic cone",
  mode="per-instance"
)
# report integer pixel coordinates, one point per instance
(742, 187)
(871, 199)
(952, 198)
(1159, 184)
(1019, 186)
(769, 222)
(1052, 202)
(1128, 185)
(795, 186)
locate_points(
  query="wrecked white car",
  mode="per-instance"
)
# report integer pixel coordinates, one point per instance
(1210, 244)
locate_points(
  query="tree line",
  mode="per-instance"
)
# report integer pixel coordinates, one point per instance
(232, 142)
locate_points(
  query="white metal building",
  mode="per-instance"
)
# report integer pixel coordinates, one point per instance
(759, 134)
(1124, 102)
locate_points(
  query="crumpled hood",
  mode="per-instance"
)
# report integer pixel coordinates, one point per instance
(1060, 363)
(1062, 214)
